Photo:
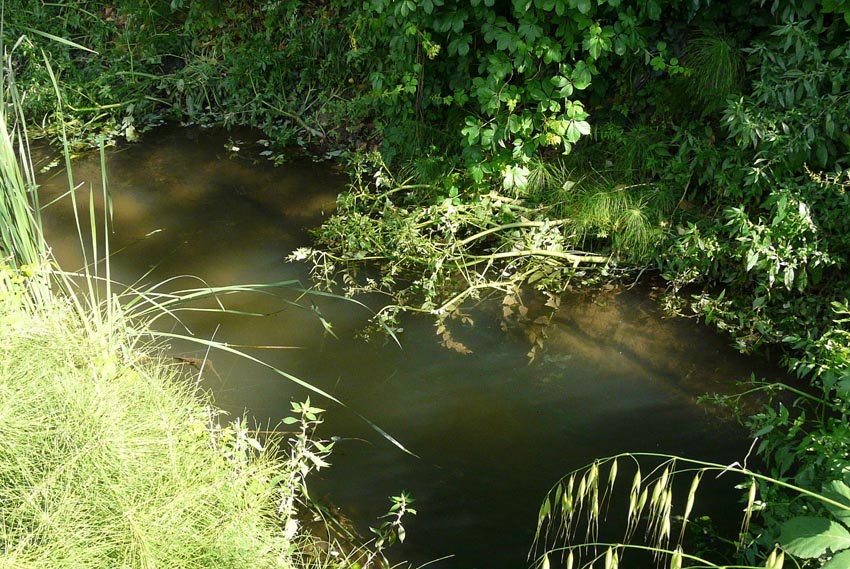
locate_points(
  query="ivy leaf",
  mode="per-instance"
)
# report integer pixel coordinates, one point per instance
(810, 537)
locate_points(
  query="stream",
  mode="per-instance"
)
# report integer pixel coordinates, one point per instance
(492, 431)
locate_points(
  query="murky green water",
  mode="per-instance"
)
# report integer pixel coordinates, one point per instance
(492, 432)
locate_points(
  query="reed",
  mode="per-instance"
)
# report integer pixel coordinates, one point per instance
(21, 241)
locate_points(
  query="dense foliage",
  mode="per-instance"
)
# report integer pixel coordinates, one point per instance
(541, 142)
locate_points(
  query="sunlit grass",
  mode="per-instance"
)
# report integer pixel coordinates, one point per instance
(109, 459)
(598, 207)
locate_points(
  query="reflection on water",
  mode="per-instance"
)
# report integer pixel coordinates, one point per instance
(493, 433)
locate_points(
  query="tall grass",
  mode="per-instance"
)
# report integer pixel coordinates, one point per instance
(21, 241)
(577, 506)
(599, 208)
(108, 459)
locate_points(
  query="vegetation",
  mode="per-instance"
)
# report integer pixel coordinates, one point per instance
(111, 456)
(542, 143)
(581, 499)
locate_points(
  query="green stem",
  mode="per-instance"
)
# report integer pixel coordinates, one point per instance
(575, 259)
(509, 226)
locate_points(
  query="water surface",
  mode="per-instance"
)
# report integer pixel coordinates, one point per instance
(492, 431)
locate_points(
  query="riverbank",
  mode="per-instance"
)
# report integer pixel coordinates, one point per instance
(111, 458)
(713, 156)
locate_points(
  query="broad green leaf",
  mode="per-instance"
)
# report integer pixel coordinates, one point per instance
(581, 76)
(487, 136)
(752, 259)
(471, 132)
(514, 124)
(582, 6)
(839, 492)
(515, 177)
(810, 537)
(576, 129)
(530, 31)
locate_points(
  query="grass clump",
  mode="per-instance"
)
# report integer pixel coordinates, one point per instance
(109, 459)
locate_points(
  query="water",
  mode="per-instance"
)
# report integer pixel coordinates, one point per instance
(491, 431)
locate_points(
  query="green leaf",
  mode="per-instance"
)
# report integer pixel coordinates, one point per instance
(582, 6)
(810, 537)
(515, 177)
(752, 259)
(530, 31)
(653, 10)
(514, 124)
(839, 492)
(471, 132)
(581, 76)
(576, 129)
(487, 136)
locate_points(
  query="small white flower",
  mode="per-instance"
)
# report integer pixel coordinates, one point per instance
(301, 253)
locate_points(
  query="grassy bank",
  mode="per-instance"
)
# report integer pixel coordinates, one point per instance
(109, 458)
